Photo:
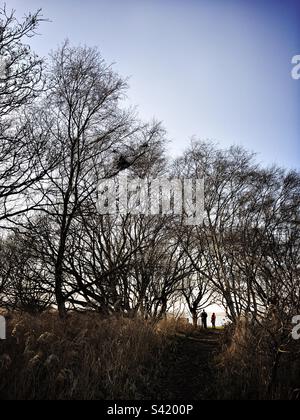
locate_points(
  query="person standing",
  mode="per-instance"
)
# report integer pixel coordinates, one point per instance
(204, 317)
(213, 320)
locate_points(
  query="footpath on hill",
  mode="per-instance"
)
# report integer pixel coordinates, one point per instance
(189, 371)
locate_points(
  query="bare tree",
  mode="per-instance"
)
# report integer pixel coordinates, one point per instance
(91, 136)
(247, 248)
(198, 295)
(21, 82)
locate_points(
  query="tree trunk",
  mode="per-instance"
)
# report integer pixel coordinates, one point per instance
(195, 319)
(60, 300)
(274, 371)
(59, 296)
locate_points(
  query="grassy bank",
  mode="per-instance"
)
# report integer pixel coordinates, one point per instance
(84, 357)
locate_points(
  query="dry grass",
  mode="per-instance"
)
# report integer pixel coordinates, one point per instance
(87, 357)
(84, 357)
(258, 363)
(173, 326)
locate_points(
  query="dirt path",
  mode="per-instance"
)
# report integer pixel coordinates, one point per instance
(189, 370)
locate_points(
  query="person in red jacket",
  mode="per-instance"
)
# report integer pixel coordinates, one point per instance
(213, 320)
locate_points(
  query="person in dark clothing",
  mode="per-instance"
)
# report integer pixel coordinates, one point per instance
(204, 317)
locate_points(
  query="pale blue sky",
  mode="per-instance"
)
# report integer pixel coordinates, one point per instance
(216, 69)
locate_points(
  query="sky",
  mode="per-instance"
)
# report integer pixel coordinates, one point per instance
(213, 69)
